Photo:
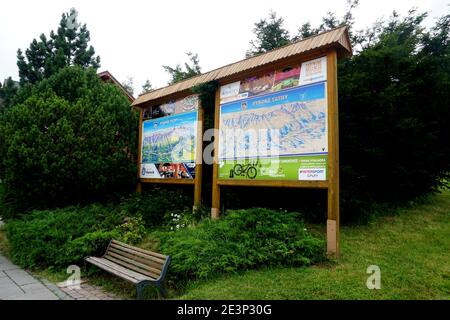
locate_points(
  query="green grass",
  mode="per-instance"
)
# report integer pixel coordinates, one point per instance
(4, 244)
(412, 249)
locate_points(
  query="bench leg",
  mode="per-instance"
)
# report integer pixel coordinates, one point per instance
(160, 286)
(162, 290)
(139, 289)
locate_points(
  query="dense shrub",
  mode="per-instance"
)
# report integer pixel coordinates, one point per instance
(155, 205)
(241, 240)
(58, 238)
(394, 99)
(71, 139)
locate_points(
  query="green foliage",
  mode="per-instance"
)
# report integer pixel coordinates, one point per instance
(393, 116)
(177, 74)
(128, 85)
(270, 34)
(67, 47)
(207, 95)
(242, 240)
(132, 230)
(154, 205)
(58, 238)
(71, 139)
(147, 87)
(409, 248)
(393, 100)
(7, 93)
(177, 219)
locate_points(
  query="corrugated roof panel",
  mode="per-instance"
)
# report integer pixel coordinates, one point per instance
(337, 37)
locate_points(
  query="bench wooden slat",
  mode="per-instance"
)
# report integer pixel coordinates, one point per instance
(138, 253)
(122, 273)
(130, 264)
(151, 253)
(135, 265)
(122, 269)
(150, 262)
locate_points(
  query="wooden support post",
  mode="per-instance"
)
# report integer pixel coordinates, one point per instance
(139, 158)
(139, 187)
(215, 206)
(333, 157)
(199, 160)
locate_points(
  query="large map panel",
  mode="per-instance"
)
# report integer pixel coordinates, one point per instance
(273, 129)
(168, 146)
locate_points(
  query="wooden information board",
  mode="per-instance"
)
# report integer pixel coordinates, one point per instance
(279, 128)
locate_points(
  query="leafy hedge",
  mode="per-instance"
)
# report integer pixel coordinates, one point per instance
(155, 204)
(241, 240)
(61, 237)
(71, 139)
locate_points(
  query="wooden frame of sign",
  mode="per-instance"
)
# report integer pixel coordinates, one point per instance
(197, 180)
(331, 183)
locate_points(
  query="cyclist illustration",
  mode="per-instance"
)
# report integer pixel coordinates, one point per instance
(248, 170)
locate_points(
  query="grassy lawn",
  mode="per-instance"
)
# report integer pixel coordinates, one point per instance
(411, 248)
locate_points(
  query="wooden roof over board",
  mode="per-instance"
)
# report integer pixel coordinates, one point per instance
(335, 38)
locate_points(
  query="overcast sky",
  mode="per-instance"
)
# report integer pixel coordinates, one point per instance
(135, 38)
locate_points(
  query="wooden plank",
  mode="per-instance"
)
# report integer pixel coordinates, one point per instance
(199, 160)
(138, 187)
(215, 205)
(275, 183)
(117, 267)
(147, 252)
(333, 154)
(168, 180)
(156, 261)
(129, 266)
(148, 262)
(136, 254)
(145, 267)
(105, 267)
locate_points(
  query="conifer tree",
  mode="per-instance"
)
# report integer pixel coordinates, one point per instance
(67, 47)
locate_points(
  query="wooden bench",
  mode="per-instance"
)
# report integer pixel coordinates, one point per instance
(135, 265)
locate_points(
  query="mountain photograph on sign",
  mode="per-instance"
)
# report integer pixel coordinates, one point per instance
(170, 139)
(293, 122)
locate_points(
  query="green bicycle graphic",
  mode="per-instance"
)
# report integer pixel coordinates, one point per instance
(248, 170)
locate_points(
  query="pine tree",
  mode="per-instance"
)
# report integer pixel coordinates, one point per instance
(128, 85)
(270, 34)
(147, 87)
(68, 46)
(178, 74)
(7, 93)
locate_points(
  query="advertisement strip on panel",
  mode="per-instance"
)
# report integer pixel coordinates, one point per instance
(169, 146)
(269, 82)
(189, 103)
(313, 71)
(311, 167)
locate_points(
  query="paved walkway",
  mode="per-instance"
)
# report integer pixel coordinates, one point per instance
(87, 291)
(17, 284)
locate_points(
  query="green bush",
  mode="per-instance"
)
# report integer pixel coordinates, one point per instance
(156, 205)
(241, 240)
(71, 139)
(58, 238)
